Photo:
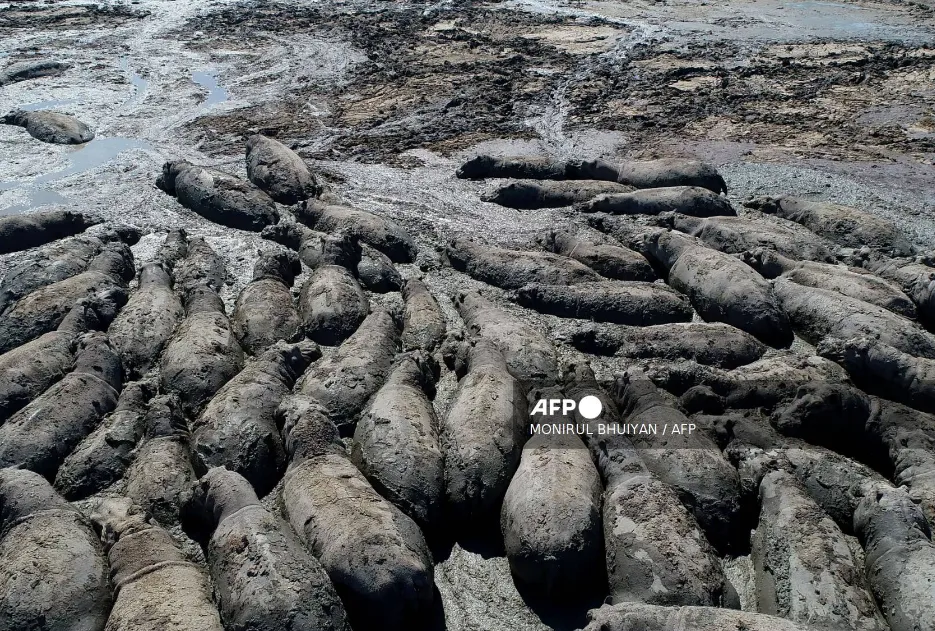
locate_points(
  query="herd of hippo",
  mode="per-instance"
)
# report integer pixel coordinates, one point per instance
(118, 376)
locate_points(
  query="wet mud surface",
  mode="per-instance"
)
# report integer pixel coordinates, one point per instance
(824, 100)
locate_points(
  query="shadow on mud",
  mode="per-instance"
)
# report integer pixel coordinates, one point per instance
(561, 612)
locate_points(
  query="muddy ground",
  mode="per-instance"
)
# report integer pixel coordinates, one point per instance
(834, 100)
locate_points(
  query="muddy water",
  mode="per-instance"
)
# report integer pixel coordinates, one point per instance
(38, 191)
(46, 105)
(29, 198)
(97, 153)
(209, 81)
(140, 85)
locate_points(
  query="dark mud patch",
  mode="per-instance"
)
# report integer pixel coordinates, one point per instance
(31, 14)
(445, 77)
(442, 79)
(816, 99)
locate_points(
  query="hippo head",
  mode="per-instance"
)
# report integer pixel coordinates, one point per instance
(547, 241)
(586, 340)
(420, 368)
(592, 170)
(456, 252)
(891, 517)
(634, 390)
(482, 351)
(590, 205)
(83, 316)
(580, 373)
(526, 295)
(666, 220)
(165, 418)
(16, 117)
(341, 249)
(121, 232)
(764, 204)
(452, 350)
(170, 171)
(476, 168)
(23, 493)
(81, 220)
(295, 357)
(515, 195)
(115, 260)
(310, 211)
(598, 223)
(662, 246)
(253, 141)
(283, 233)
(650, 242)
(202, 298)
(847, 352)
(763, 260)
(702, 399)
(307, 430)
(213, 497)
(106, 304)
(284, 266)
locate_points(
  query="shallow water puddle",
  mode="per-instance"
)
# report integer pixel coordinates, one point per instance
(35, 197)
(96, 153)
(837, 19)
(208, 79)
(140, 85)
(44, 105)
